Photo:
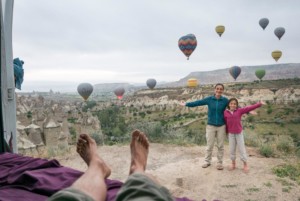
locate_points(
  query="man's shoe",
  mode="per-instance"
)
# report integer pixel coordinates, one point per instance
(205, 165)
(220, 167)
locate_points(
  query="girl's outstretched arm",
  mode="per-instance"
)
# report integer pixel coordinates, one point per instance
(251, 107)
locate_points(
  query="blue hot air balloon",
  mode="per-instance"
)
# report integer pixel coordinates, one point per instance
(263, 22)
(279, 32)
(151, 83)
(235, 71)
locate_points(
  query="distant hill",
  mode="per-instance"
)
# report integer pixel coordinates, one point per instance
(273, 72)
(105, 91)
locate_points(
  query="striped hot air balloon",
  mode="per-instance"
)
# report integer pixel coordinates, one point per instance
(187, 44)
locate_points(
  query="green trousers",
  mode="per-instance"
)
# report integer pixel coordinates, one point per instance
(138, 187)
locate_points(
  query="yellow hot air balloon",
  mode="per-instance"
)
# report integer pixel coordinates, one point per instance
(276, 54)
(220, 30)
(192, 82)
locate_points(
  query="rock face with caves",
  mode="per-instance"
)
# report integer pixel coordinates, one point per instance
(45, 125)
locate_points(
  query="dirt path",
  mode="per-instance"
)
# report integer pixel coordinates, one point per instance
(179, 169)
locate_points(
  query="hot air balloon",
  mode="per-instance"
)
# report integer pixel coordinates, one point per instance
(276, 54)
(260, 73)
(151, 83)
(85, 90)
(263, 22)
(192, 82)
(187, 44)
(279, 31)
(119, 92)
(220, 30)
(235, 71)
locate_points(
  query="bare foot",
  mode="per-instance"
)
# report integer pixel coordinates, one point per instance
(87, 149)
(139, 152)
(232, 167)
(246, 169)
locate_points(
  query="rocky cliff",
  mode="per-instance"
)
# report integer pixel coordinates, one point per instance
(48, 125)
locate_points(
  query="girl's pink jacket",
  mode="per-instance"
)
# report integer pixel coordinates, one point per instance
(233, 120)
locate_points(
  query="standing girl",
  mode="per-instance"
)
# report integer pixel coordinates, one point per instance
(232, 117)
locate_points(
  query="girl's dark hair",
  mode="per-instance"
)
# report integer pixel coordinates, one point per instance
(219, 84)
(233, 99)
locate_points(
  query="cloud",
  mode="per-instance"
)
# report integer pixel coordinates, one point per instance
(109, 41)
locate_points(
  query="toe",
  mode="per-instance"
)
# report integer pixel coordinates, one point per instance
(135, 134)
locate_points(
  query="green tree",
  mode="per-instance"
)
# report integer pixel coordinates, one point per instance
(112, 121)
(89, 105)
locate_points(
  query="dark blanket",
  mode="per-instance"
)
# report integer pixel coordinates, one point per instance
(25, 178)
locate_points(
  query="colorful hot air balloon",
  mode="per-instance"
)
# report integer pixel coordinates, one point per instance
(263, 22)
(192, 82)
(187, 44)
(151, 83)
(119, 92)
(85, 90)
(279, 31)
(260, 73)
(220, 30)
(276, 54)
(235, 71)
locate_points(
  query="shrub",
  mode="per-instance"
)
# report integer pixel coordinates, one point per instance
(266, 150)
(288, 170)
(29, 115)
(250, 119)
(72, 120)
(89, 105)
(296, 120)
(285, 146)
(142, 114)
(73, 134)
(251, 141)
(269, 110)
(97, 138)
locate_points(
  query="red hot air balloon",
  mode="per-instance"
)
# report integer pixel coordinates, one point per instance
(119, 92)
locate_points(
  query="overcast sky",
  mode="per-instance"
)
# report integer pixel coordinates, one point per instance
(66, 42)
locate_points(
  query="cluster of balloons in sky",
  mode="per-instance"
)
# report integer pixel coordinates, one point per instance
(234, 71)
(188, 43)
(86, 89)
